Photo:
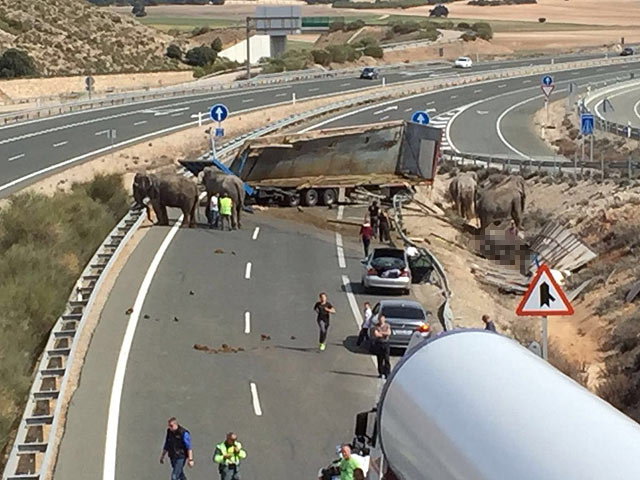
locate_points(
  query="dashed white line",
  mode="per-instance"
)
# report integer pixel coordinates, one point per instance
(247, 100)
(247, 322)
(247, 271)
(339, 247)
(502, 85)
(281, 94)
(526, 81)
(178, 114)
(59, 144)
(575, 73)
(340, 212)
(255, 233)
(102, 132)
(256, 401)
(453, 96)
(16, 157)
(357, 316)
(345, 84)
(314, 89)
(477, 90)
(382, 119)
(430, 103)
(408, 109)
(141, 122)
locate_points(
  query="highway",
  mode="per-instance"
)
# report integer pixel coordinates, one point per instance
(35, 148)
(623, 106)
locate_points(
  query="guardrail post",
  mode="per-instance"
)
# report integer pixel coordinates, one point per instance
(629, 167)
(601, 166)
(575, 163)
(293, 98)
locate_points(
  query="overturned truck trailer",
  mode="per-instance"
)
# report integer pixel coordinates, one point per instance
(325, 166)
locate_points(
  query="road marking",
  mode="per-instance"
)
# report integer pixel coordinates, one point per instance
(313, 89)
(408, 109)
(16, 157)
(339, 247)
(502, 85)
(340, 212)
(113, 419)
(247, 271)
(357, 316)
(247, 100)
(179, 114)
(482, 112)
(102, 132)
(255, 233)
(247, 322)
(281, 94)
(452, 97)
(256, 401)
(59, 144)
(345, 84)
(575, 73)
(142, 122)
(477, 91)
(430, 103)
(526, 81)
(429, 110)
(382, 119)
(388, 109)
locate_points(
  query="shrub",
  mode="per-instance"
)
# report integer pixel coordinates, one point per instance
(483, 30)
(355, 25)
(405, 27)
(468, 37)
(343, 53)
(200, 31)
(216, 45)
(464, 26)
(174, 51)
(200, 56)
(367, 42)
(321, 57)
(428, 35)
(439, 11)
(374, 51)
(16, 63)
(336, 26)
(542, 19)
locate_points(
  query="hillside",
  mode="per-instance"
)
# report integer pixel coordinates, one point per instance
(75, 37)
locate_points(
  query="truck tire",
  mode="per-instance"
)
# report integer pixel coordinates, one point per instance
(311, 197)
(329, 196)
(292, 200)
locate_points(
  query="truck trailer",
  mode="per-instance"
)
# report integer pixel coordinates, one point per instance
(327, 166)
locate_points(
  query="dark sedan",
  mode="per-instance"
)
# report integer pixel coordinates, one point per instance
(370, 73)
(404, 317)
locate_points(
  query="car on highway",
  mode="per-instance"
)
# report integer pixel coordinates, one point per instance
(386, 268)
(404, 317)
(626, 51)
(369, 73)
(463, 62)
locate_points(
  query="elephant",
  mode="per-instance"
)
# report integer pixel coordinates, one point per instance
(502, 200)
(218, 183)
(166, 191)
(463, 192)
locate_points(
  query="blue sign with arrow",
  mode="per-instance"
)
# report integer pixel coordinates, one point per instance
(547, 80)
(420, 117)
(586, 123)
(219, 112)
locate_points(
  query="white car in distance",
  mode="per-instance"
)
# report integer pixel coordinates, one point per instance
(463, 62)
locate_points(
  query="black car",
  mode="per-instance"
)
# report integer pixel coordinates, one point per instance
(626, 51)
(370, 73)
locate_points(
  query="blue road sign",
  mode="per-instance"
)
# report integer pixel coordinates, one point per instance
(219, 112)
(547, 80)
(586, 123)
(219, 132)
(420, 117)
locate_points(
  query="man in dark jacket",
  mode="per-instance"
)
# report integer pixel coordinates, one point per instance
(177, 444)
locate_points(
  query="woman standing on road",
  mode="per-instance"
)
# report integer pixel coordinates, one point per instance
(366, 232)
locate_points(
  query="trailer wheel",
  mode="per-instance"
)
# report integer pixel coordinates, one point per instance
(311, 197)
(329, 196)
(293, 200)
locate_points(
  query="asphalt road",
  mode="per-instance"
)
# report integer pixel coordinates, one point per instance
(31, 149)
(623, 105)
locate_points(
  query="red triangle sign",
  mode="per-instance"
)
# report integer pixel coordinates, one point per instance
(544, 297)
(547, 89)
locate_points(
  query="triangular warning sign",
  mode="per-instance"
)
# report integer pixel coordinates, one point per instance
(544, 297)
(547, 89)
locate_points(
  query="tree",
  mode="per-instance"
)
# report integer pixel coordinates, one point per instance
(16, 63)
(321, 57)
(374, 51)
(138, 8)
(439, 11)
(201, 56)
(216, 45)
(174, 51)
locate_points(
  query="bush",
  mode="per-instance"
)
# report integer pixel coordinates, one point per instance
(352, 26)
(483, 30)
(200, 31)
(174, 51)
(343, 53)
(542, 19)
(216, 45)
(463, 26)
(428, 35)
(16, 63)
(374, 51)
(321, 57)
(428, 25)
(468, 37)
(200, 56)
(402, 28)
(367, 42)
(439, 11)
(336, 26)
(44, 244)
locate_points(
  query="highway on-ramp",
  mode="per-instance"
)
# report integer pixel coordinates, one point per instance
(622, 103)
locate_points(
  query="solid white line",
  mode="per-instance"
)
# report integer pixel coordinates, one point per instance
(247, 100)
(113, 419)
(382, 119)
(339, 247)
(16, 157)
(102, 132)
(247, 271)
(635, 109)
(313, 89)
(340, 212)
(142, 122)
(255, 233)
(247, 322)
(59, 144)
(256, 401)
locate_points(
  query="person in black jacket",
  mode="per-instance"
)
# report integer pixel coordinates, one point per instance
(177, 444)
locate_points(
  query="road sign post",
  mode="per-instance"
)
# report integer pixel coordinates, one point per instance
(587, 123)
(89, 82)
(547, 87)
(420, 117)
(218, 113)
(544, 298)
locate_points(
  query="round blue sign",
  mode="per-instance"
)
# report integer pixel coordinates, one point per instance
(547, 80)
(219, 112)
(420, 117)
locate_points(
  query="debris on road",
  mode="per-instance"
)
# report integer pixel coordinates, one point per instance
(264, 337)
(292, 337)
(218, 250)
(224, 348)
(191, 292)
(146, 317)
(129, 311)
(176, 319)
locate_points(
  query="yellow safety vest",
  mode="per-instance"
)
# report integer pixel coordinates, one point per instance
(234, 459)
(225, 206)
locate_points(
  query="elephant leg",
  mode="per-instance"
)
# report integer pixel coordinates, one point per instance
(207, 208)
(164, 215)
(234, 219)
(238, 215)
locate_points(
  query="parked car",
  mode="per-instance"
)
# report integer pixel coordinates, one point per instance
(370, 73)
(386, 268)
(463, 62)
(626, 51)
(404, 317)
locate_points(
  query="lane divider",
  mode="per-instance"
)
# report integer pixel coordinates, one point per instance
(256, 232)
(257, 409)
(247, 322)
(247, 271)
(340, 248)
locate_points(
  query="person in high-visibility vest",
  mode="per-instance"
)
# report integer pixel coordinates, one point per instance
(228, 455)
(226, 208)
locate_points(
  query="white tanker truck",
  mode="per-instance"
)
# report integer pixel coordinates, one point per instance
(474, 405)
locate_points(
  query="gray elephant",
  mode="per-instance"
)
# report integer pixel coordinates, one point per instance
(218, 183)
(502, 200)
(167, 191)
(463, 193)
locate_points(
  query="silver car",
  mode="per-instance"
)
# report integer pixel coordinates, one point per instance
(404, 317)
(386, 268)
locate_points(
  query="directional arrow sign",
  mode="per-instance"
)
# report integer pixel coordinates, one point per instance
(547, 85)
(586, 123)
(219, 112)
(420, 117)
(547, 80)
(544, 297)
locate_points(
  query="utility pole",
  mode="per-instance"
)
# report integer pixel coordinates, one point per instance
(248, 48)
